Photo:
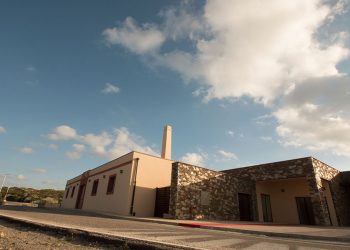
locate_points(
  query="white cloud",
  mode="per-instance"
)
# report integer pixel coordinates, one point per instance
(243, 48)
(281, 53)
(39, 170)
(2, 130)
(124, 142)
(230, 133)
(110, 89)
(138, 39)
(227, 155)
(194, 158)
(182, 22)
(264, 120)
(21, 177)
(254, 51)
(106, 145)
(77, 151)
(316, 116)
(63, 132)
(26, 150)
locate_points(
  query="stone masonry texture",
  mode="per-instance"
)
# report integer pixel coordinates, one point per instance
(188, 182)
(186, 186)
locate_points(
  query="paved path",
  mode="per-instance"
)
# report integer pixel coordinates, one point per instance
(171, 235)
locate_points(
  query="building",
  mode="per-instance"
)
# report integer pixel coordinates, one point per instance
(299, 191)
(126, 185)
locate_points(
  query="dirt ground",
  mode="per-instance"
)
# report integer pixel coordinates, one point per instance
(16, 236)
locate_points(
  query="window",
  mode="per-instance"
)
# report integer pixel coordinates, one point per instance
(67, 192)
(94, 188)
(111, 184)
(72, 194)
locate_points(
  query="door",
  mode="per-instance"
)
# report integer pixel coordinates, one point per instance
(305, 211)
(162, 201)
(244, 207)
(266, 207)
(80, 198)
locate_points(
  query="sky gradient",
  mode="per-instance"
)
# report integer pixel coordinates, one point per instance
(241, 83)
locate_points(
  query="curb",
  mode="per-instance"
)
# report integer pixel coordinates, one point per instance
(243, 231)
(227, 229)
(237, 230)
(131, 243)
(270, 234)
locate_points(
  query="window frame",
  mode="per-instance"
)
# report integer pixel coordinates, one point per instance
(72, 194)
(111, 190)
(94, 188)
(67, 192)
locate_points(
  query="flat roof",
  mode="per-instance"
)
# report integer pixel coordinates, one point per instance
(271, 163)
(69, 180)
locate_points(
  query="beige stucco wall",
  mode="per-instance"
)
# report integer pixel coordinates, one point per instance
(119, 201)
(283, 204)
(328, 195)
(152, 172)
(69, 202)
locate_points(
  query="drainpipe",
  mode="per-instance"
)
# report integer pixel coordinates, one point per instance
(134, 188)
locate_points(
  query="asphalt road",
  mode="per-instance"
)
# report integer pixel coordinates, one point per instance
(196, 238)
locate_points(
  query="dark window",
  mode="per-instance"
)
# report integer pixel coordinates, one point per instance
(94, 188)
(67, 192)
(111, 184)
(72, 194)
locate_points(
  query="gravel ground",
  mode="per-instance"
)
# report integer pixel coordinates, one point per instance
(17, 236)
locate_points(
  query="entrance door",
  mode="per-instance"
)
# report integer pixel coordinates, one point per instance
(162, 201)
(80, 198)
(266, 207)
(305, 211)
(244, 207)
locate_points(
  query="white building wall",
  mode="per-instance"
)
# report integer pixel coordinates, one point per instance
(70, 201)
(152, 172)
(117, 202)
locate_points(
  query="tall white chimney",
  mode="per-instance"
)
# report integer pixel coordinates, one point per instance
(166, 146)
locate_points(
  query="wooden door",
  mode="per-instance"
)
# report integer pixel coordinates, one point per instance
(305, 211)
(162, 201)
(80, 198)
(244, 207)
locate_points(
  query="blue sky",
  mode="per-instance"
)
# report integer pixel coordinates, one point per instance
(83, 82)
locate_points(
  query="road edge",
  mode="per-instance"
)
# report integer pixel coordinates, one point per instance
(131, 242)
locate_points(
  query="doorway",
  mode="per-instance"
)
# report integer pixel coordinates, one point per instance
(305, 211)
(162, 202)
(80, 198)
(266, 207)
(244, 207)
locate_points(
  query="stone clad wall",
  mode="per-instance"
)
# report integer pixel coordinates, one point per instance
(189, 183)
(324, 171)
(275, 171)
(308, 167)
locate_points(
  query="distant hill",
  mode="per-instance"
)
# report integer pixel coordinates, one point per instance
(32, 195)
